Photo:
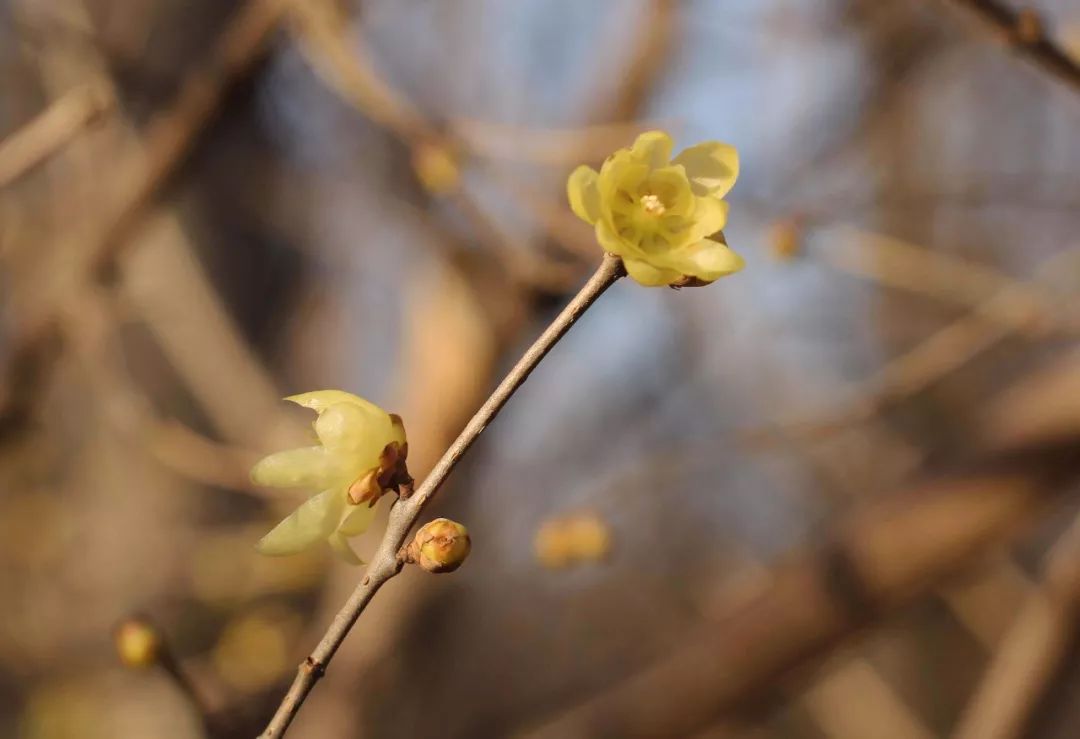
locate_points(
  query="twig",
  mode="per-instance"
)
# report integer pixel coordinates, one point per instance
(166, 145)
(386, 563)
(1014, 308)
(879, 560)
(1022, 31)
(50, 130)
(1032, 652)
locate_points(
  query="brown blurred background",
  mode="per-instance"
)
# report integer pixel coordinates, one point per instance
(832, 496)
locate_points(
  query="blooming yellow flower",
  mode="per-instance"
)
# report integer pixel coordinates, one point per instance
(360, 456)
(658, 213)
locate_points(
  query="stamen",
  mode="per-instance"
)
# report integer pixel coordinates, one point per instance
(652, 205)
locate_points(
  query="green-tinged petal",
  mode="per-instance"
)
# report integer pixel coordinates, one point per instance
(653, 148)
(357, 520)
(711, 166)
(320, 400)
(648, 275)
(710, 216)
(583, 193)
(341, 548)
(357, 431)
(612, 242)
(307, 467)
(708, 260)
(313, 521)
(621, 172)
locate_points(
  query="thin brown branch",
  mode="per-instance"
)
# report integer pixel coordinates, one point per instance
(880, 559)
(387, 562)
(1023, 32)
(51, 130)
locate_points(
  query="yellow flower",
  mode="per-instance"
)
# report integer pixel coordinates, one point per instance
(658, 213)
(361, 455)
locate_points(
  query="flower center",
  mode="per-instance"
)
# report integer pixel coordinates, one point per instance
(652, 205)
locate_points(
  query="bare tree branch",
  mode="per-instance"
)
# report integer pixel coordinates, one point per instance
(1023, 32)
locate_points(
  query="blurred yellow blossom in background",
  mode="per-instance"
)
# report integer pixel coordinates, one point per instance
(572, 540)
(658, 214)
(361, 455)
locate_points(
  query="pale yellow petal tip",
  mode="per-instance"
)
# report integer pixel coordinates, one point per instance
(320, 400)
(583, 194)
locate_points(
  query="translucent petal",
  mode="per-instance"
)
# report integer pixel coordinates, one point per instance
(621, 172)
(357, 520)
(583, 193)
(355, 430)
(612, 243)
(673, 188)
(307, 467)
(648, 275)
(710, 216)
(708, 260)
(711, 166)
(313, 521)
(653, 148)
(341, 548)
(320, 400)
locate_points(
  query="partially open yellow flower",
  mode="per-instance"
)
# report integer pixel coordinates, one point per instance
(657, 213)
(361, 455)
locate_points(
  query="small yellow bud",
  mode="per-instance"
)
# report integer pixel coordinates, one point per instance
(572, 540)
(436, 167)
(786, 239)
(138, 643)
(439, 546)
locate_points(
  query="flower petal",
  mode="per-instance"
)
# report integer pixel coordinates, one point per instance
(358, 431)
(341, 548)
(708, 260)
(671, 185)
(711, 166)
(357, 520)
(620, 172)
(648, 275)
(320, 400)
(583, 194)
(710, 216)
(653, 148)
(307, 467)
(313, 521)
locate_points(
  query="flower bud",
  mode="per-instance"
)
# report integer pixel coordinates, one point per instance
(436, 167)
(439, 546)
(138, 643)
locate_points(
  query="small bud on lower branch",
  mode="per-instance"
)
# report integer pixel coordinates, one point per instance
(439, 546)
(138, 643)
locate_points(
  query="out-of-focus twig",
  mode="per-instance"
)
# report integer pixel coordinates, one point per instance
(891, 261)
(878, 560)
(167, 143)
(50, 130)
(387, 561)
(552, 147)
(348, 69)
(1022, 31)
(1012, 307)
(1033, 650)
